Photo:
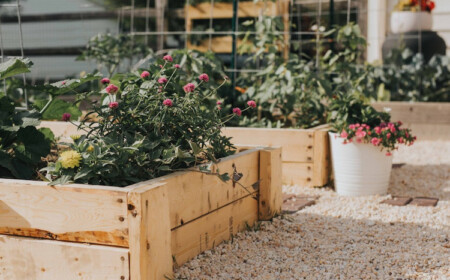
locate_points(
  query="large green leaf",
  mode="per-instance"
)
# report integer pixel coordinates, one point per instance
(66, 86)
(32, 145)
(14, 67)
(6, 109)
(57, 108)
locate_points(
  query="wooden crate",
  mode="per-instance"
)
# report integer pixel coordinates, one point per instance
(305, 152)
(136, 232)
(428, 120)
(223, 44)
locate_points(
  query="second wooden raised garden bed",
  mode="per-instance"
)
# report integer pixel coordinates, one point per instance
(137, 232)
(305, 152)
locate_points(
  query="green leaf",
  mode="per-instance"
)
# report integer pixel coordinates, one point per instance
(66, 86)
(32, 145)
(64, 179)
(195, 148)
(82, 173)
(14, 67)
(57, 108)
(48, 134)
(224, 177)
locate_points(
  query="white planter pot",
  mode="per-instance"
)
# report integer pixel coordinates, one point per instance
(359, 168)
(410, 21)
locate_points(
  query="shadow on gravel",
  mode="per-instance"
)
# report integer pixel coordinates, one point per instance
(421, 180)
(311, 246)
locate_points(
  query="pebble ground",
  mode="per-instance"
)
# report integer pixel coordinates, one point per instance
(349, 238)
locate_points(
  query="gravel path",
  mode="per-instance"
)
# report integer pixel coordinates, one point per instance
(349, 238)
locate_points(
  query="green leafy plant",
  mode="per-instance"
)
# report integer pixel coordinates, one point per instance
(52, 107)
(150, 124)
(22, 145)
(354, 120)
(110, 51)
(406, 76)
(290, 92)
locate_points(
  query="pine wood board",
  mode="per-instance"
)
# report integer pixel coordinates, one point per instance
(93, 214)
(27, 258)
(427, 120)
(209, 231)
(298, 173)
(296, 144)
(270, 190)
(193, 194)
(305, 149)
(221, 44)
(150, 236)
(430, 113)
(225, 10)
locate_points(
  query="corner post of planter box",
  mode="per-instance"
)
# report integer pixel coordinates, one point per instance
(150, 234)
(321, 160)
(270, 193)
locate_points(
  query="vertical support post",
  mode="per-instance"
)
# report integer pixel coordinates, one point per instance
(234, 24)
(321, 158)
(287, 28)
(188, 23)
(160, 10)
(331, 20)
(376, 28)
(270, 192)
(150, 234)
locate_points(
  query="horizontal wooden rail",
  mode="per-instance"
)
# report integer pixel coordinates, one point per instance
(138, 13)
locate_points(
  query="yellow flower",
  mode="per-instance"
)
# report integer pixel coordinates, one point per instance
(75, 137)
(90, 149)
(70, 159)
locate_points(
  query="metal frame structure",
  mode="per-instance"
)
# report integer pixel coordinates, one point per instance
(17, 6)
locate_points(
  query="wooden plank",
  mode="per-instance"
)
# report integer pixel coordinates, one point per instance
(221, 44)
(210, 230)
(150, 236)
(296, 144)
(322, 158)
(225, 10)
(270, 193)
(193, 194)
(92, 214)
(298, 173)
(427, 120)
(429, 131)
(419, 112)
(27, 258)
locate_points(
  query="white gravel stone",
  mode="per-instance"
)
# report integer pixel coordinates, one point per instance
(349, 238)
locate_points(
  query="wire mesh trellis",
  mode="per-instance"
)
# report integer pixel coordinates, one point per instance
(302, 13)
(210, 32)
(354, 10)
(17, 6)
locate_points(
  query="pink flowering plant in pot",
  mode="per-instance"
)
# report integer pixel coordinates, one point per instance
(150, 123)
(362, 143)
(354, 120)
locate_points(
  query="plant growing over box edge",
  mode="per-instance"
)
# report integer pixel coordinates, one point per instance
(22, 145)
(148, 126)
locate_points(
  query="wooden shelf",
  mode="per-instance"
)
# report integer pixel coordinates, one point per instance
(219, 10)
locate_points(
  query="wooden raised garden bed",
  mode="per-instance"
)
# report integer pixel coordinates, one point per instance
(305, 152)
(246, 9)
(137, 232)
(427, 120)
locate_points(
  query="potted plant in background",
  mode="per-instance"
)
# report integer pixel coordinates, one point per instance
(362, 145)
(412, 15)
